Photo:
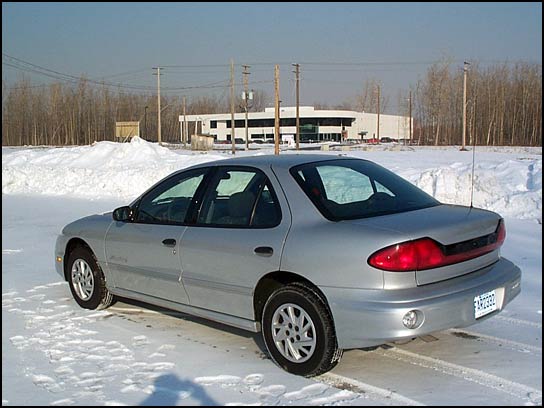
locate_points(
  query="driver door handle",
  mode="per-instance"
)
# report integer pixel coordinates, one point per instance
(264, 251)
(169, 242)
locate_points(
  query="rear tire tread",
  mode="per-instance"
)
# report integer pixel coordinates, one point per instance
(332, 354)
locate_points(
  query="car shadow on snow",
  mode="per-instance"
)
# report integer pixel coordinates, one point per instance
(169, 390)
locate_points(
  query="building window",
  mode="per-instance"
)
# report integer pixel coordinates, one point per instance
(260, 123)
(238, 123)
(288, 122)
(213, 124)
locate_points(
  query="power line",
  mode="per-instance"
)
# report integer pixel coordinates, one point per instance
(129, 73)
(37, 69)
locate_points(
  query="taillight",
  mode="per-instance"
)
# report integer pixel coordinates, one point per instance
(426, 253)
(501, 233)
(408, 256)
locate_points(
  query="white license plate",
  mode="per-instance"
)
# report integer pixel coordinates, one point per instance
(485, 304)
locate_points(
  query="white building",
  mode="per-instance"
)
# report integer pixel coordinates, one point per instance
(315, 125)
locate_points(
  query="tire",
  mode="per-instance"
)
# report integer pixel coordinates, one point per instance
(86, 280)
(317, 352)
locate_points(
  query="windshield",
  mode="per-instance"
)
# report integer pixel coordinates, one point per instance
(350, 189)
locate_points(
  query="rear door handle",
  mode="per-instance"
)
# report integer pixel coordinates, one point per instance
(169, 242)
(263, 251)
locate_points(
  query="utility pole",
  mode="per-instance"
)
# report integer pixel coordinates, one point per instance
(246, 90)
(297, 77)
(145, 121)
(277, 109)
(410, 116)
(158, 104)
(185, 122)
(465, 70)
(378, 110)
(232, 124)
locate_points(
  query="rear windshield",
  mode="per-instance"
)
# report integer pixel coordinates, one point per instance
(349, 189)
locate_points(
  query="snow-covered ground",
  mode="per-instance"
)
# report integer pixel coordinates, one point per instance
(55, 353)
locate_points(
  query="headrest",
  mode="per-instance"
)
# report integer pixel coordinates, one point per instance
(241, 204)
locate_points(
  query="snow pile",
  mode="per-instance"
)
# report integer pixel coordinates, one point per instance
(105, 169)
(511, 188)
(508, 181)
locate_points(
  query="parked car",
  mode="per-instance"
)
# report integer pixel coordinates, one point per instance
(319, 253)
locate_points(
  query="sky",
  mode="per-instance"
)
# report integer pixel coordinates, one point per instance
(392, 43)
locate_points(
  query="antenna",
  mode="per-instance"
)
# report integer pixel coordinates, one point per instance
(472, 178)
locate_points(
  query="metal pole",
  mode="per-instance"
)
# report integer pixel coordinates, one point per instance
(159, 139)
(184, 122)
(465, 70)
(410, 117)
(246, 90)
(277, 109)
(378, 109)
(297, 72)
(232, 135)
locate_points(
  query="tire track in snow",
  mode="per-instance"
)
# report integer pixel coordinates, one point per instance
(377, 394)
(513, 345)
(521, 322)
(524, 392)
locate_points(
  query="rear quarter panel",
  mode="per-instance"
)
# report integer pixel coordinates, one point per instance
(336, 254)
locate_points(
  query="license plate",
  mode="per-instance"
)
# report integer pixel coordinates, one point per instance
(485, 304)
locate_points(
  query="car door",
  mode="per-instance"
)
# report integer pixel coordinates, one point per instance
(143, 255)
(237, 237)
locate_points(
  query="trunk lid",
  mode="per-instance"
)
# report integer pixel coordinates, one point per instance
(448, 225)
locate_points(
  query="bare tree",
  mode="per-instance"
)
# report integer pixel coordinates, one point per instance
(504, 106)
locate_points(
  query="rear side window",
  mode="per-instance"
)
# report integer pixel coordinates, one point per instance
(239, 197)
(351, 189)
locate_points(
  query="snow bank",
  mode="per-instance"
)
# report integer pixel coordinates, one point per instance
(508, 181)
(103, 170)
(511, 188)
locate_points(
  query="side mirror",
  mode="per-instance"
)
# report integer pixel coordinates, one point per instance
(124, 214)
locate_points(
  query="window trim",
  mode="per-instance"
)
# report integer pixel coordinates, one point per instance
(207, 191)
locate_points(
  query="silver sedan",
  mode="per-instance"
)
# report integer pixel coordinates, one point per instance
(319, 253)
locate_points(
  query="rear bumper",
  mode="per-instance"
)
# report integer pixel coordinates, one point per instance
(366, 318)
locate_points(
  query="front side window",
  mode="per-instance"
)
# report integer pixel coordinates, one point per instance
(168, 203)
(239, 198)
(351, 189)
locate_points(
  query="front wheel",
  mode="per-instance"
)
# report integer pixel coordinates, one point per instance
(87, 281)
(298, 331)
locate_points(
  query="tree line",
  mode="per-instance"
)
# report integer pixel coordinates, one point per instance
(504, 107)
(64, 114)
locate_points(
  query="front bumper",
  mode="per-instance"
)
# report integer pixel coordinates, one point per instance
(365, 318)
(60, 247)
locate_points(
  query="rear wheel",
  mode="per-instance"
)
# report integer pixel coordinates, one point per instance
(87, 281)
(298, 331)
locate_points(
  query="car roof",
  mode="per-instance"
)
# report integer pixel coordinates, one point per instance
(277, 161)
